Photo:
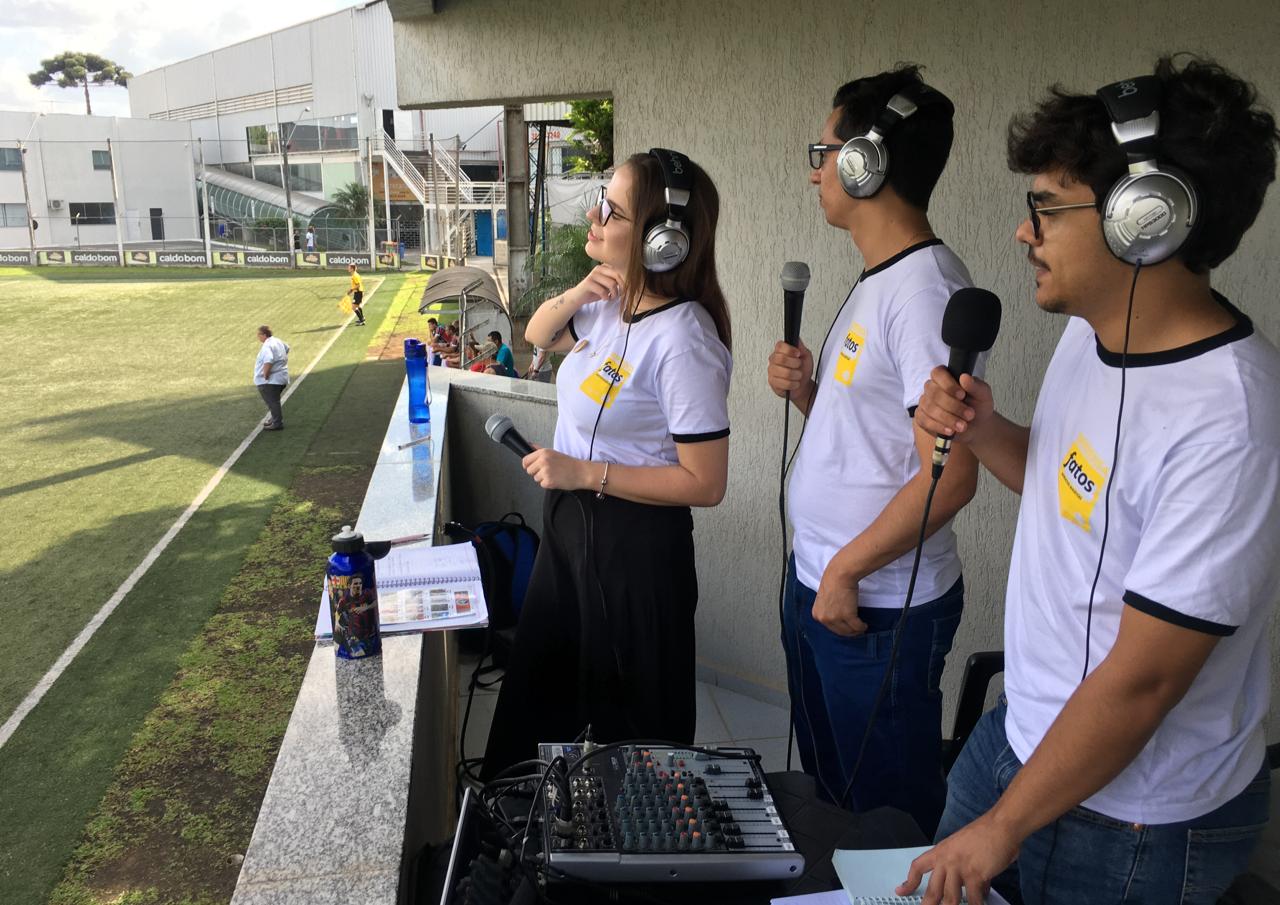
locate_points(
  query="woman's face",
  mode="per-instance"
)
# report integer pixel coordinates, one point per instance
(610, 235)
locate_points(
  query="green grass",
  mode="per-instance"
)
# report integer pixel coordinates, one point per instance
(122, 398)
(110, 445)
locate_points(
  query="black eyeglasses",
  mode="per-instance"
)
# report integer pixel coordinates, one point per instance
(606, 209)
(1035, 212)
(818, 152)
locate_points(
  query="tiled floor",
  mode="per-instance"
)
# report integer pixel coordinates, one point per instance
(724, 718)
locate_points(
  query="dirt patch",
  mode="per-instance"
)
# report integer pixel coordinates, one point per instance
(182, 806)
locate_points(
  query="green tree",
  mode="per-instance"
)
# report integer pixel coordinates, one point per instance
(75, 70)
(565, 262)
(593, 120)
(352, 201)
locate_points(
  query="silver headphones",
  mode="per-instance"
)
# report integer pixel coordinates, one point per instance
(666, 241)
(863, 162)
(1149, 213)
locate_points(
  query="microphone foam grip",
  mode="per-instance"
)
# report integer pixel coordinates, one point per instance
(795, 276)
(971, 320)
(496, 427)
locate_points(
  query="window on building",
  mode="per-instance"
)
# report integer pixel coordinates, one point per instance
(102, 160)
(13, 215)
(92, 213)
(10, 159)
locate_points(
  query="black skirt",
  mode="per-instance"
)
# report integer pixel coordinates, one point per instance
(606, 635)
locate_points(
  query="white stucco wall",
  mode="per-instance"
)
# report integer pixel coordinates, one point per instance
(741, 86)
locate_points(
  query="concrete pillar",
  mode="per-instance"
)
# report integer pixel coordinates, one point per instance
(517, 179)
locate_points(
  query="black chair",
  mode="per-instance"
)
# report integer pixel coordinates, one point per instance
(979, 670)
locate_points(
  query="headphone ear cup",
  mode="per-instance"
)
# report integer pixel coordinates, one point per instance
(862, 165)
(666, 245)
(1148, 217)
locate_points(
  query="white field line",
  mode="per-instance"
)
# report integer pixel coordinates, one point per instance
(64, 660)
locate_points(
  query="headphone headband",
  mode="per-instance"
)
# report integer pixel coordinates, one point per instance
(1134, 108)
(677, 178)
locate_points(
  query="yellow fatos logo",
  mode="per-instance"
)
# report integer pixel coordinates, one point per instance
(850, 352)
(607, 381)
(1081, 478)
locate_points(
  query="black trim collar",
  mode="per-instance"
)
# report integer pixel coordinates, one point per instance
(1242, 330)
(668, 306)
(885, 265)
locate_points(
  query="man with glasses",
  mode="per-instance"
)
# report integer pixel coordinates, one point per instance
(1126, 760)
(862, 468)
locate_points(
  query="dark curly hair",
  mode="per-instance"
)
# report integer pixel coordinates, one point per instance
(1211, 127)
(919, 145)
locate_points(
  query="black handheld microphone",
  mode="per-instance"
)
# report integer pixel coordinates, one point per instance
(500, 430)
(795, 280)
(969, 326)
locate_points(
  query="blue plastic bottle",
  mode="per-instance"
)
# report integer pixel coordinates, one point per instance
(353, 598)
(415, 365)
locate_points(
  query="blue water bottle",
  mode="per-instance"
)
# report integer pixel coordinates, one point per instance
(415, 364)
(353, 598)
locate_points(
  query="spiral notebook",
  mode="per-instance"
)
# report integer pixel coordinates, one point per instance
(422, 588)
(870, 877)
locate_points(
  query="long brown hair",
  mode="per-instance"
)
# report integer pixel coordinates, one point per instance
(695, 278)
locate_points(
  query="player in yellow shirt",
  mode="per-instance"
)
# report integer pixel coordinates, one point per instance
(357, 294)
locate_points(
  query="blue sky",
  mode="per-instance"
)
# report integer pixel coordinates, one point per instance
(138, 34)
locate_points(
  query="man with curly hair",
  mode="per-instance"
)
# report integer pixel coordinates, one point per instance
(1126, 761)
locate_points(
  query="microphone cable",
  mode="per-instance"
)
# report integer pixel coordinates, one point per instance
(589, 523)
(782, 518)
(1115, 464)
(1106, 526)
(897, 640)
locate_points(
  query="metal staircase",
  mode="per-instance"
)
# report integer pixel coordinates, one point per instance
(454, 195)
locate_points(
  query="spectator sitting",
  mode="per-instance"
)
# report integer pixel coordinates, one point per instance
(446, 345)
(481, 357)
(504, 363)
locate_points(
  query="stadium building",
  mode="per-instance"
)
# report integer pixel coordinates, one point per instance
(82, 174)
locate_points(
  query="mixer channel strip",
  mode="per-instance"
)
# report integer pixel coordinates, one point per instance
(640, 814)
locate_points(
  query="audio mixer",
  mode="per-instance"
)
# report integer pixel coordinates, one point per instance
(644, 814)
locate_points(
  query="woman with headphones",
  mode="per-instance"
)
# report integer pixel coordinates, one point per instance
(605, 638)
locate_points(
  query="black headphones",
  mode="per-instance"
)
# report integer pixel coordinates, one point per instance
(863, 162)
(1149, 213)
(666, 241)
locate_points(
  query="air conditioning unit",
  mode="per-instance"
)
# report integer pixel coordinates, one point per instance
(55, 204)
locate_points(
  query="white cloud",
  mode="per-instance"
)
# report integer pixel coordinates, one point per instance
(138, 34)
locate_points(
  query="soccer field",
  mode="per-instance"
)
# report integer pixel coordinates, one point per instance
(123, 394)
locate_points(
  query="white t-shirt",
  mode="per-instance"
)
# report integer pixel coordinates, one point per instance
(274, 350)
(673, 385)
(1194, 539)
(859, 447)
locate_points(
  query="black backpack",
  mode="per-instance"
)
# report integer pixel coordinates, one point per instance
(506, 550)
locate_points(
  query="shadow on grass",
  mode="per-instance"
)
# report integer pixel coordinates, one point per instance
(205, 428)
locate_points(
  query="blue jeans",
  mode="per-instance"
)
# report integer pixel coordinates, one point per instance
(1085, 856)
(833, 681)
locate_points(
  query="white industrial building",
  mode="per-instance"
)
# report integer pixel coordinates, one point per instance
(326, 88)
(70, 161)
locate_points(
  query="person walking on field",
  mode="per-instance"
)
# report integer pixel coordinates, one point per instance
(271, 375)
